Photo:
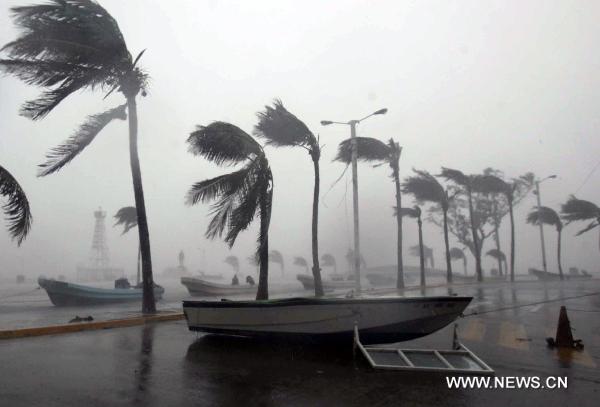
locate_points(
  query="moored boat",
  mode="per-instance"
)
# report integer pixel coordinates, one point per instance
(379, 320)
(198, 287)
(308, 282)
(62, 293)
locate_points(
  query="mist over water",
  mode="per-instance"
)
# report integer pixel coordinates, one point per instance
(506, 85)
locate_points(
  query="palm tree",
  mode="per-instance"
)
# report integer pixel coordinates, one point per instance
(127, 217)
(67, 46)
(575, 210)
(350, 259)
(16, 209)
(373, 150)
(301, 261)
(416, 213)
(426, 188)
(327, 260)
(282, 129)
(427, 254)
(459, 254)
(548, 216)
(500, 257)
(276, 257)
(468, 184)
(234, 262)
(240, 195)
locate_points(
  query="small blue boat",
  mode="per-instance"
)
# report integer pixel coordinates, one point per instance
(64, 294)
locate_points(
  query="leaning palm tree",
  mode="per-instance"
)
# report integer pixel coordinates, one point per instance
(426, 188)
(500, 257)
(427, 254)
(67, 46)
(459, 254)
(301, 261)
(282, 129)
(127, 217)
(468, 185)
(548, 216)
(416, 214)
(327, 260)
(375, 151)
(234, 262)
(577, 210)
(240, 195)
(16, 209)
(276, 257)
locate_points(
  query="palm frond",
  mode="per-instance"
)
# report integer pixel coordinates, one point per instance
(126, 217)
(254, 260)
(456, 176)
(16, 209)
(588, 228)
(491, 184)
(496, 254)
(415, 251)
(578, 209)
(300, 261)
(233, 261)
(223, 185)
(276, 257)
(328, 260)
(425, 188)
(282, 129)
(544, 215)
(61, 155)
(410, 212)
(223, 143)
(368, 149)
(456, 253)
(65, 46)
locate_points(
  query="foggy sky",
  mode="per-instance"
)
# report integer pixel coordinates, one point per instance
(469, 84)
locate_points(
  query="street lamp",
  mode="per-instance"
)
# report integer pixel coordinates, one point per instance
(352, 124)
(539, 204)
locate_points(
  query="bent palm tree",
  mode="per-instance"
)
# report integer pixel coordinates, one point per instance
(327, 260)
(127, 217)
(282, 129)
(276, 257)
(575, 210)
(426, 188)
(416, 213)
(16, 209)
(234, 262)
(373, 150)
(459, 254)
(301, 261)
(548, 216)
(67, 46)
(427, 254)
(240, 195)
(499, 256)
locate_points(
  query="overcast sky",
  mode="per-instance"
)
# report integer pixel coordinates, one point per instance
(469, 84)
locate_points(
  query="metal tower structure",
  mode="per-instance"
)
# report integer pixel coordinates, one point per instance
(99, 257)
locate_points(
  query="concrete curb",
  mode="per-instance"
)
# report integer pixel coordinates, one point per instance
(88, 326)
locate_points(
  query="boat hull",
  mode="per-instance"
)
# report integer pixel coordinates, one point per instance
(379, 320)
(201, 288)
(65, 294)
(308, 282)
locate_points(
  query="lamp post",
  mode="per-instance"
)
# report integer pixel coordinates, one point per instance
(352, 124)
(539, 204)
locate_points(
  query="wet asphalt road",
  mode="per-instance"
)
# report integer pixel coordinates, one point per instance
(166, 365)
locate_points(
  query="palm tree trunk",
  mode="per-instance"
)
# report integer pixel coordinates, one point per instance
(148, 301)
(512, 240)
(447, 244)
(475, 238)
(400, 278)
(421, 254)
(263, 253)
(139, 263)
(497, 241)
(465, 264)
(560, 270)
(315, 230)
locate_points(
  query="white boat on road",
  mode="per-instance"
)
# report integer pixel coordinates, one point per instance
(198, 287)
(379, 320)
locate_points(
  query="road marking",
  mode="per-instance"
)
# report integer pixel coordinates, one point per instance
(512, 335)
(536, 308)
(474, 331)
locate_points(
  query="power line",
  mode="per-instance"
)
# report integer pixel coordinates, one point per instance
(588, 177)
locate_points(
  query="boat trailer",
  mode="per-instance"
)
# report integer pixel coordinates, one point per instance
(458, 360)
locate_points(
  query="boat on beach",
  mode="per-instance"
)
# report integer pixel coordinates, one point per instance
(198, 287)
(379, 320)
(62, 293)
(308, 282)
(547, 276)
